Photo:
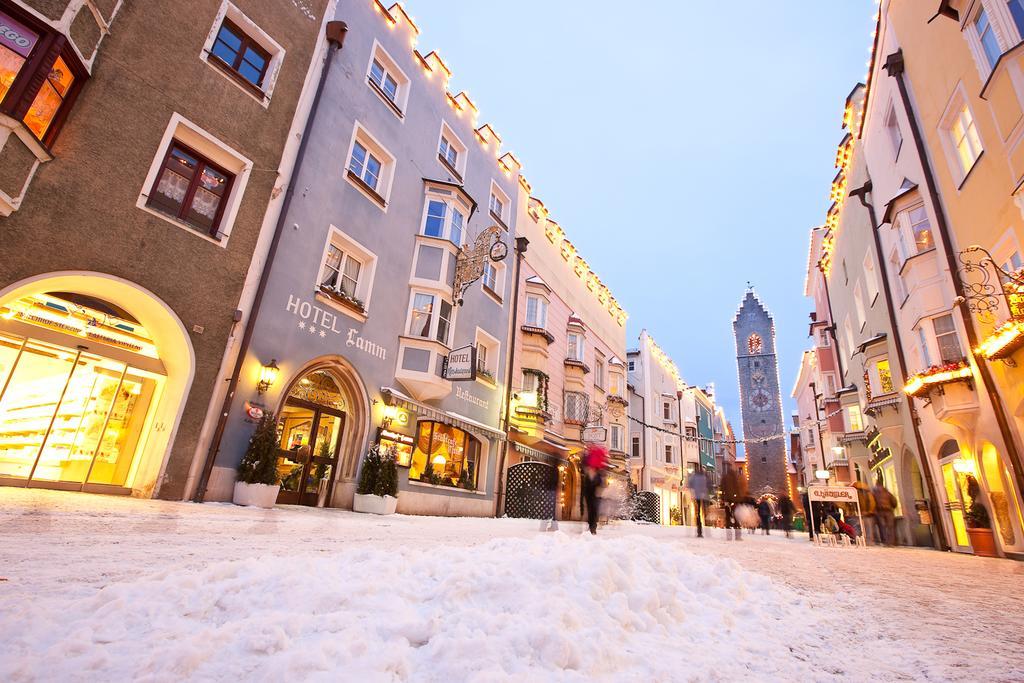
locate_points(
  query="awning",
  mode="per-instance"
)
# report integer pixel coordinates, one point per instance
(397, 398)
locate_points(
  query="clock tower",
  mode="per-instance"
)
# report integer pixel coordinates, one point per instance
(760, 398)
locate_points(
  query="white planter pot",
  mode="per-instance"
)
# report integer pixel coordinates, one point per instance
(375, 505)
(256, 495)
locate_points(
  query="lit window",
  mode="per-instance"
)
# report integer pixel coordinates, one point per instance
(536, 312)
(987, 37)
(240, 54)
(964, 136)
(365, 166)
(885, 384)
(574, 346)
(50, 97)
(444, 455)
(191, 188)
(429, 318)
(946, 339)
(615, 388)
(920, 229)
(854, 420)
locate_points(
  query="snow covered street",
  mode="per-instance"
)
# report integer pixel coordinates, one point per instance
(105, 588)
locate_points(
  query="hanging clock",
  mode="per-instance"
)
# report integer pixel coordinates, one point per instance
(499, 250)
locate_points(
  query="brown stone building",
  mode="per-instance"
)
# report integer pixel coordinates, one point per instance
(140, 145)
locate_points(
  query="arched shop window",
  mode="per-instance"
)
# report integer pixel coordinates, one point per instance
(444, 455)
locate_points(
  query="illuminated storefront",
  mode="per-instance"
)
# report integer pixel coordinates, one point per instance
(78, 380)
(444, 455)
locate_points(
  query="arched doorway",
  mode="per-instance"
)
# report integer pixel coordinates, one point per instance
(311, 424)
(955, 469)
(90, 365)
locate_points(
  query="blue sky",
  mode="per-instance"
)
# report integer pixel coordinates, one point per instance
(685, 147)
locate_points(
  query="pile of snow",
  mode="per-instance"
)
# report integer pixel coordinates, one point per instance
(553, 606)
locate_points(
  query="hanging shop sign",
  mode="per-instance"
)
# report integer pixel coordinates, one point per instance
(16, 37)
(595, 434)
(832, 494)
(460, 364)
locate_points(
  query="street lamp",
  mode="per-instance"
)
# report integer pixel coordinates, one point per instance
(268, 375)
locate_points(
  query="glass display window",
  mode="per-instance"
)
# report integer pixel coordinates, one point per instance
(444, 455)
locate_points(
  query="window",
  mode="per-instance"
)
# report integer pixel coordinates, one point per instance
(987, 37)
(481, 358)
(963, 135)
(1017, 12)
(498, 204)
(370, 167)
(615, 431)
(920, 228)
(870, 278)
(531, 382)
(754, 344)
(444, 455)
(946, 339)
(341, 272)
(388, 81)
(824, 338)
(615, 388)
(191, 188)
(430, 317)
(895, 264)
(490, 276)
(576, 407)
(536, 312)
(444, 218)
(858, 302)
(922, 342)
(1014, 263)
(487, 356)
(848, 336)
(366, 166)
(451, 152)
(239, 53)
(668, 453)
(892, 129)
(830, 385)
(885, 385)
(635, 447)
(854, 419)
(39, 79)
(666, 410)
(599, 373)
(574, 346)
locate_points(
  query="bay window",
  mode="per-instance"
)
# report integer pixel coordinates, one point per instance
(430, 317)
(883, 375)
(916, 229)
(444, 218)
(40, 74)
(444, 455)
(615, 432)
(946, 339)
(536, 311)
(191, 188)
(574, 346)
(615, 388)
(854, 419)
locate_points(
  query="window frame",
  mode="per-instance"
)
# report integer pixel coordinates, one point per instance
(893, 130)
(498, 194)
(958, 103)
(437, 300)
(341, 240)
(497, 290)
(247, 42)
(385, 181)
(492, 354)
(599, 372)
(617, 445)
(452, 203)
(193, 186)
(389, 66)
(257, 37)
(32, 76)
(580, 346)
(447, 134)
(541, 308)
(953, 332)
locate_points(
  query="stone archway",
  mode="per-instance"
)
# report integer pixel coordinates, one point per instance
(355, 439)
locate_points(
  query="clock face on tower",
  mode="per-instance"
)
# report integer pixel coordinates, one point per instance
(760, 400)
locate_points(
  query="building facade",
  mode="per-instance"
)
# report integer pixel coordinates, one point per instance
(764, 432)
(141, 146)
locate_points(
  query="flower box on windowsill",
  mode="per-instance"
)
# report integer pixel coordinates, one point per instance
(539, 331)
(573, 363)
(343, 299)
(920, 384)
(1004, 341)
(486, 377)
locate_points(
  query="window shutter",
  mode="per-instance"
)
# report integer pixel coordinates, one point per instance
(40, 67)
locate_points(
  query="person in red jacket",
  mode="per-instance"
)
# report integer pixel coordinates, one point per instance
(595, 460)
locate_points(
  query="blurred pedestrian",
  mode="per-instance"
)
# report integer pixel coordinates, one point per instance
(787, 510)
(885, 510)
(866, 499)
(698, 485)
(808, 514)
(595, 459)
(764, 511)
(731, 492)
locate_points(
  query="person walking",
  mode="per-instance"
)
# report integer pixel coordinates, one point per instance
(787, 510)
(698, 485)
(731, 493)
(808, 515)
(595, 460)
(764, 511)
(885, 510)
(866, 499)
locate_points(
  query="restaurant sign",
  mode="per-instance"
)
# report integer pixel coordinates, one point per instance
(460, 364)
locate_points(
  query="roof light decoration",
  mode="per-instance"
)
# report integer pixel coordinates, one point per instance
(507, 163)
(666, 362)
(919, 384)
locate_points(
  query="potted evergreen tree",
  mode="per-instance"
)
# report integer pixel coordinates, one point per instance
(377, 490)
(979, 524)
(258, 482)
